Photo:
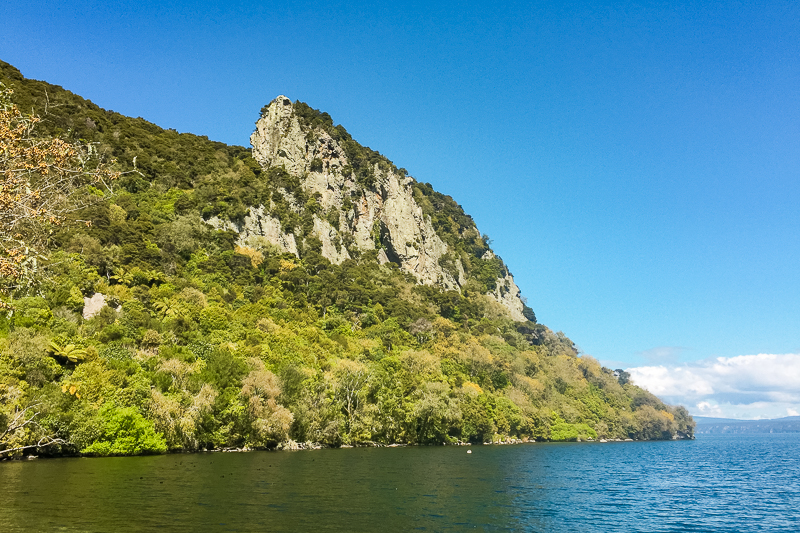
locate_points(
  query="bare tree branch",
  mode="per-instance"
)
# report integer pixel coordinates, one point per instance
(42, 180)
(44, 441)
(14, 425)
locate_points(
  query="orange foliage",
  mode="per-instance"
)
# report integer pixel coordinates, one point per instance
(41, 181)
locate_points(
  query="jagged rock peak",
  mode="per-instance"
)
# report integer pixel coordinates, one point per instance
(360, 198)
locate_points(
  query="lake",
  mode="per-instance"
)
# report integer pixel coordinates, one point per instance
(714, 483)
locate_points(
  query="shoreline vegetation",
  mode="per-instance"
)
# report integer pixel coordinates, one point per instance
(136, 326)
(292, 446)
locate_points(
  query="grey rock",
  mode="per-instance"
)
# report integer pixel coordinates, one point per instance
(507, 294)
(387, 209)
(93, 305)
(327, 234)
(258, 224)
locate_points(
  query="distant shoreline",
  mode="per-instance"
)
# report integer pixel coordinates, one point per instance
(709, 425)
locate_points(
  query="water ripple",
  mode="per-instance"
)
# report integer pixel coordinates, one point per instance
(716, 483)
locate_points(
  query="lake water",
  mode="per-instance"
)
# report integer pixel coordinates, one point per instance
(715, 483)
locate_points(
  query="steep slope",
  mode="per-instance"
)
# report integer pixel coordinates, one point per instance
(305, 291)
(358, 201)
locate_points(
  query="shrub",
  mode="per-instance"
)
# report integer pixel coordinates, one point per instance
(125, 432)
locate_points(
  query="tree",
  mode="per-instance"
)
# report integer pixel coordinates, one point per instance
(125, 431)
(622, 376)
(348, 380)
(42, 180)
(19, 426)
(270, 421)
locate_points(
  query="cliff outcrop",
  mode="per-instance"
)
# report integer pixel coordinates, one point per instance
(356, 203)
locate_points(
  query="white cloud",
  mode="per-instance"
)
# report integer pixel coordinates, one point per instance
(706, 409)
(746, 386)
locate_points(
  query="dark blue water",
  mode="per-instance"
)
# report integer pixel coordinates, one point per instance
(715, 483)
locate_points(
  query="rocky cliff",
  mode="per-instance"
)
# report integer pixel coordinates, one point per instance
(355, 201)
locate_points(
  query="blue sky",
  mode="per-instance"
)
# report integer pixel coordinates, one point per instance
(637, 165)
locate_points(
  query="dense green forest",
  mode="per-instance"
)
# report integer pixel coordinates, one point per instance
(206, 344)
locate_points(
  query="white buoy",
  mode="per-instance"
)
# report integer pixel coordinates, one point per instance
(469, 451)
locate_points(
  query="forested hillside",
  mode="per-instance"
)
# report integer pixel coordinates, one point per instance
(205, 342)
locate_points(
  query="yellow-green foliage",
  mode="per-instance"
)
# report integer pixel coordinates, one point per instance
(205, 343)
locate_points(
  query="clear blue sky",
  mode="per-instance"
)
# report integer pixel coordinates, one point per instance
(637, 165)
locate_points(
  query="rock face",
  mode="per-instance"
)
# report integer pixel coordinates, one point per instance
(257, 223)
(381, 214)
(93, 305)
(507, 294)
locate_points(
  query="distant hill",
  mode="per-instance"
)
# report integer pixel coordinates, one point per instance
(710, 425)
